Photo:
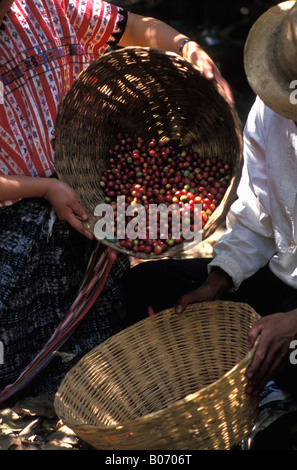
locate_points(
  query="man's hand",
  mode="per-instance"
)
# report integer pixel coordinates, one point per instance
(64, 201)
(216, 284)
(276, 333)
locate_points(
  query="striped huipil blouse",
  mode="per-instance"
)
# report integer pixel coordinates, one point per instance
(44, 45)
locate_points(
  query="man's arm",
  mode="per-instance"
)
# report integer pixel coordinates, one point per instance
(217, 283)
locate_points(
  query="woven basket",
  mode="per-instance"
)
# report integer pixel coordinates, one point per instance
(176, 382)
(149, 93)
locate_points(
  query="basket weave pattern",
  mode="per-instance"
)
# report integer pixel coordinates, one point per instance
(176, 382)
(145, 93)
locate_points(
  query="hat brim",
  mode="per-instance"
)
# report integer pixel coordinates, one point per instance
(260, 62)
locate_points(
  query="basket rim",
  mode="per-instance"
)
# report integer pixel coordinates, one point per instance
(191, 396)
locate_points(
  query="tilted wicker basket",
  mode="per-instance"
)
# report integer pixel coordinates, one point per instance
(176, 382)
(150, 93)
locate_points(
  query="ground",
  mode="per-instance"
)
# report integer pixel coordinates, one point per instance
(32, 424)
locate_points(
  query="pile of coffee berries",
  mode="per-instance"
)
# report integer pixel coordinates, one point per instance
(156, 173)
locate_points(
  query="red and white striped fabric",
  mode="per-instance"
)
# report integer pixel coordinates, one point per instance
(44, 46)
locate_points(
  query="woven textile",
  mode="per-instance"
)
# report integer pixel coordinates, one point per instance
(42, 265)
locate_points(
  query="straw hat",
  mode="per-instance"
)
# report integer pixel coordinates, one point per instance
(270, 58)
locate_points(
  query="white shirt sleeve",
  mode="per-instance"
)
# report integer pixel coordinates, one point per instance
(248, 243)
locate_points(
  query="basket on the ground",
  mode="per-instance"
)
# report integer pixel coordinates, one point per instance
(176, 382)
(148, 93)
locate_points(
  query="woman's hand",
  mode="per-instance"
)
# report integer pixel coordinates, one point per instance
(198, 57)
(64, 201)
(275, 334)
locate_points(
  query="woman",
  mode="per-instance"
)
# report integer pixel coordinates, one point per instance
(44, 246)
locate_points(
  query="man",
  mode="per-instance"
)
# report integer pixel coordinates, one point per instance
(255, 260)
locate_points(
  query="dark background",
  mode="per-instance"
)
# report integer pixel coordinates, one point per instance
(220, 27)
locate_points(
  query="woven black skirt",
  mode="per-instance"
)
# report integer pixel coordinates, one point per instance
(42, 264)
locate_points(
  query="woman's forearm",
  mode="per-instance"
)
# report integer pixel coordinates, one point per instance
(151, 32)
(19, 187)
(60, 196)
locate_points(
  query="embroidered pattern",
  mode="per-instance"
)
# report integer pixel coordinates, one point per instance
(45, 45)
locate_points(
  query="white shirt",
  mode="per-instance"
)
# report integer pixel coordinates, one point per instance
(262, 223)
